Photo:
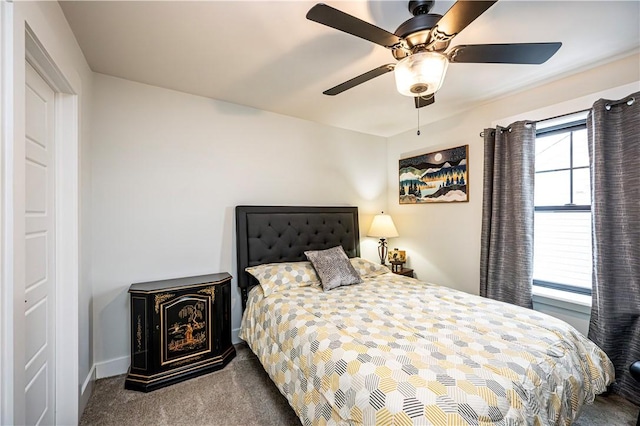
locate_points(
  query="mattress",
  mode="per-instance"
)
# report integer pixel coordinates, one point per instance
(395, 350)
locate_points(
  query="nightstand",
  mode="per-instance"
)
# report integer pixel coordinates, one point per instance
(404, 271)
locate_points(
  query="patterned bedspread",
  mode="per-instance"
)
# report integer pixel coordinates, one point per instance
(394, 350)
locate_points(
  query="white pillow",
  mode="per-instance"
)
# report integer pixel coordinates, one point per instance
(367, 269)
(274, 277)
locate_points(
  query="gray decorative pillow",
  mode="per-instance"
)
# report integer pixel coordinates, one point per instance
(333, 267)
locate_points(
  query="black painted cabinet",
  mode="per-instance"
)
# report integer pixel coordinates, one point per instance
(180, 328)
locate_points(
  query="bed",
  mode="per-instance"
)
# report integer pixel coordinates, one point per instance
(395, 350)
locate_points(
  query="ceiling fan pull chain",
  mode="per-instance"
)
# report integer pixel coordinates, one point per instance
(418, 132)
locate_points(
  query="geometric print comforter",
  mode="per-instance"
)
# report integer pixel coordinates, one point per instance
(397, 351)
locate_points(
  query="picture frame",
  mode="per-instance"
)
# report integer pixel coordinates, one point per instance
(397, 256)
(436, 177)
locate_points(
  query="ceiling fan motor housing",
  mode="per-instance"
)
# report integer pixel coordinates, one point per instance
(416, 34)
(417, 24)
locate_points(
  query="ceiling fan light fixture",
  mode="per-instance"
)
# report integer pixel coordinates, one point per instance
(421, 74)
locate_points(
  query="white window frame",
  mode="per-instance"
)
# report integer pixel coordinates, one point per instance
(564, 124)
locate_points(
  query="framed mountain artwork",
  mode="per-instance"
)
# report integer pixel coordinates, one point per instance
(437, 177)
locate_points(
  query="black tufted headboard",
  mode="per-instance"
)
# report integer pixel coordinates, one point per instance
(270, 234)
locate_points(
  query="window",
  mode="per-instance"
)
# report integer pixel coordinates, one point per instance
(562, 226)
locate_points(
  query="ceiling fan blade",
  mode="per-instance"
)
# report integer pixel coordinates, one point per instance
(423, 101)
(339, 20)
(376, 72)
(516, 53)
(461, 14)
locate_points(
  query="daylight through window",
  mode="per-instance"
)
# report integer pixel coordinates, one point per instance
(562, 227)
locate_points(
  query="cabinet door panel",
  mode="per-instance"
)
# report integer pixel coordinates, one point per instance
(185, 324)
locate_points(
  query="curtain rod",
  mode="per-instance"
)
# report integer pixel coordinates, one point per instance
(527, 124)
(627, 101)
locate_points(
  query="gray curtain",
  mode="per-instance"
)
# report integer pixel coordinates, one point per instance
(506, 253)
(614, 149)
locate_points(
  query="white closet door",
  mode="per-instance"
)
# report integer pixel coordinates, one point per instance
(39, 315)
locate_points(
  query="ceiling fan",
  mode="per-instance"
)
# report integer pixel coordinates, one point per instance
(420, 45)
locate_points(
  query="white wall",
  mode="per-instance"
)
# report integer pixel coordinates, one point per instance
(443, 240)
(47, 22)
(168, 170)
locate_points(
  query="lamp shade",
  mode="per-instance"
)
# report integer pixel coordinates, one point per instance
(382, 227)
(421, 74)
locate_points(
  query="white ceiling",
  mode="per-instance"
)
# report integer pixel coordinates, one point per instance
(266, 55)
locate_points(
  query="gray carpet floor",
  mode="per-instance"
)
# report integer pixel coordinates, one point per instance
(243, 394)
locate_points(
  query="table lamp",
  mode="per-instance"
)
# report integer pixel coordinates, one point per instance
(382, 227)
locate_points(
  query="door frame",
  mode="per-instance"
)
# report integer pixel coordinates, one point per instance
(6, 290)
(18, 45)
(66, 170)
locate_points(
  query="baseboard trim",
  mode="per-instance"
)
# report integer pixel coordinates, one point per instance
(235, 339)
(112, 367)
(91, 377)
(86, 390)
